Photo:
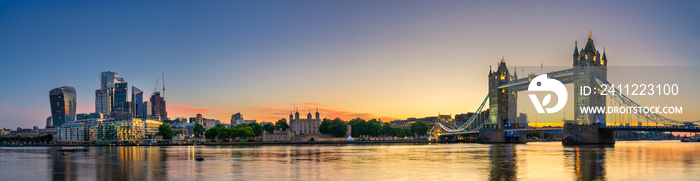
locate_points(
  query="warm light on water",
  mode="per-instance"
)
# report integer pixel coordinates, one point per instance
(634, 160)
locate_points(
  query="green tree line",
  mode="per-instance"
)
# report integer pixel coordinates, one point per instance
(241, 131)
(279, 125)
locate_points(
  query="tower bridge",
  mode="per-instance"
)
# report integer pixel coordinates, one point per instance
(589, 69)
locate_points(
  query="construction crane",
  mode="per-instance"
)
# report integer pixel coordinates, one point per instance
(163, 73)
(156, 88)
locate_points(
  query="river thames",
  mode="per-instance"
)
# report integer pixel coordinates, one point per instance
(627, 160)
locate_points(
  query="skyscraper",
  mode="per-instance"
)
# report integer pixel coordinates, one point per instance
(108, 79)
(147, 109)
(49, 122)
(120, 93)
(103, 101)
(159, 106)
(63, 103)
(104, 97)
(137, 101)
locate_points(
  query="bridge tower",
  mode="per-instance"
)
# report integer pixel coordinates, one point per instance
(589, 62)
(585, 129)
(502, 101)
(502, 108)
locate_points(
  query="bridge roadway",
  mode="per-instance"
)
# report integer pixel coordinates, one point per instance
(507, 130)
(605, 128)
(650, 128)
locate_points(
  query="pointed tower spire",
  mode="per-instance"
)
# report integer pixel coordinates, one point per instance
(590, 34)
(576, 53)
(503, 60)
(604, 60)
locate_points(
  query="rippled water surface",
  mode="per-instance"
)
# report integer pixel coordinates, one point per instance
(634, 160)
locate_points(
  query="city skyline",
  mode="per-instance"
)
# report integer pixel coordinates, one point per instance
(350, 59)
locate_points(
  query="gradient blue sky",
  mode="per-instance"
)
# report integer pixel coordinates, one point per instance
(373, 59)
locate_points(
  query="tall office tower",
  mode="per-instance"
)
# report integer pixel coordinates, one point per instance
(103, 101)
(63, 103)
(159, 106)
(137, 102)
(109, 79)
(49, 122)
(120, 93)
(147, 109)
(104, 97)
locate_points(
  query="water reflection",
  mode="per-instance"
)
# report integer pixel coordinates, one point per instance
(589, 162)
(110, 163)
(532, 161)
(62, 166)
(503, 162)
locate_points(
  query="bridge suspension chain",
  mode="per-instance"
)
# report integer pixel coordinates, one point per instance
(649, 116)
(471, 119)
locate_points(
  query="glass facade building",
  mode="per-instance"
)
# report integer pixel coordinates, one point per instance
(104, 97)
(63, 103)
(120, 92)
(137, 102)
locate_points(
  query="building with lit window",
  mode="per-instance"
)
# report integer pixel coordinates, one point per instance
(63, 103)
(151, 127)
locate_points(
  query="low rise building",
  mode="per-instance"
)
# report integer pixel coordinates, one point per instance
(4, 131)
(461, 119)
(151, 127)
(131, 129)
(278, 135)
(73, 132)
(210, 123)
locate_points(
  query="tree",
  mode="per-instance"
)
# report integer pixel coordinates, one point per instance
(211, 133)
(398, 132)
(374, 128)
(358, 127)
(223, 133)
(323, 128)
(419, 128)
(338, 127)
(387, 130)
(269, 128)
(166, 131)
(243, 132)
(198, 130)
(282, 123)
(256, 128)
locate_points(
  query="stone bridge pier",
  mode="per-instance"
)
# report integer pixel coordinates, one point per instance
(498, 136)
(587, 135)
